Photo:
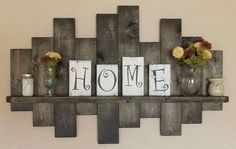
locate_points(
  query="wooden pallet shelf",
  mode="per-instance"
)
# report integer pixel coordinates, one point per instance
(117, 36)
(117, 99)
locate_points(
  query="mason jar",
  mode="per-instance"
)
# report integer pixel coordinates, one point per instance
(27, 85)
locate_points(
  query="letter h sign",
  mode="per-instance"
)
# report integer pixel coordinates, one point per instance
(80, 78)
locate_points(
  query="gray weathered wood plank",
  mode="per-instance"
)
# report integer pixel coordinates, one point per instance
(129, 115)
(150, 110)
(107, 53)
(108, 123)
(65, 120)
(128, 30)
(151, 53)
(86, 50)
(213, 69)
(107, 39)
(21, 62)
(43, 114)
(170, 37)
(40, 46)
(86, 109)
(64, 43)
(119, 99)
(191, 112)
(128, 40)
(170, 119)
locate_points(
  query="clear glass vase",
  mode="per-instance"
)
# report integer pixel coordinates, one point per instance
(50, 80)
(190, 81)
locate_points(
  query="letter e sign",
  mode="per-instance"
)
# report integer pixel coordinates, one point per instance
(80, 78)
(159, 80)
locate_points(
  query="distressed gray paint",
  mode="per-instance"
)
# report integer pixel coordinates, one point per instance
(20, 64)
(191, 112)
(65, 120)
(170, 37)
(108, 123)
(151, 53)
(43, 113)
(64, 43)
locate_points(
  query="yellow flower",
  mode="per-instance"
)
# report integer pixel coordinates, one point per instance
(206, 55)
(53, 55)
(178, 52)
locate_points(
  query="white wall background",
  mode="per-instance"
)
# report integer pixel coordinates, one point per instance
(213, 19)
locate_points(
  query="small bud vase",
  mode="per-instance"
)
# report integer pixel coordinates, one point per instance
(216, 87)
(50, 80)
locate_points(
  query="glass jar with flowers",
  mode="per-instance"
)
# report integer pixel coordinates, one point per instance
(191, 59)
(51, 59)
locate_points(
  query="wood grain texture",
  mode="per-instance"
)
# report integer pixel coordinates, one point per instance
(64, 43)
(21, 62)
(119, 99)
(170, 37)
(151, 53)
(40, 46)
(86, 50)
(213, 69)
(107, 53)
(170, 119)
(191, 112)
(43, 114)
(108, 123)
(65, 120)
(150, 110)
(128, 40)
(86, 109)
(129, 115)
(107, 39)
(128, 30)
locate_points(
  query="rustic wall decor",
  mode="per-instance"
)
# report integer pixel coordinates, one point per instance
(117, 37)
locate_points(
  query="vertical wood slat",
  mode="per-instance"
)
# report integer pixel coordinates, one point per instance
(107, 53)
(86, 50)
(108, 123)
(64, 43)
(20, 63)
(170, 37)
(65, 120)
(151, 53)
(191, 112)
(107, 39)
(170, 119)
(43, 113)
(128, 40)
(213, 69)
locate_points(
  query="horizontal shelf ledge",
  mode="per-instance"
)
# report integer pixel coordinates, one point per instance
(117, 99)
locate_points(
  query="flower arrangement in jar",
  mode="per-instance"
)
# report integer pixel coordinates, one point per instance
(51, 59)
(192, 57)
